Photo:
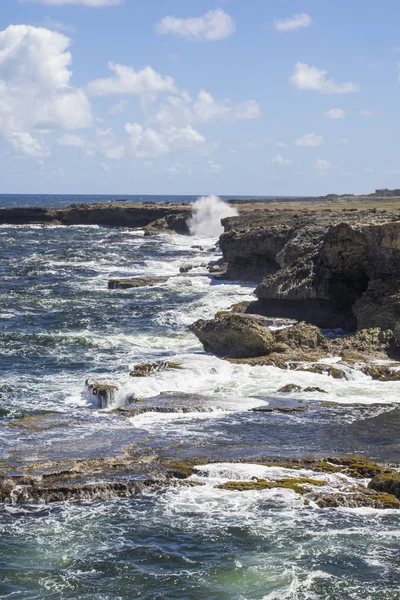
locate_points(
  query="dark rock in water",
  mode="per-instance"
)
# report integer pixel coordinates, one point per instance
(388, 483)
(240, 307)
(234, 335)
(197, 247)
(134, 282)
(382, 372)
(282, 406)
(289, 388)
(104, 393)
(171, 402)
(315, 389)
(73, 492)
(146, 369)
(111, 214)
(357, 499)
(175, 223)
(186, 268)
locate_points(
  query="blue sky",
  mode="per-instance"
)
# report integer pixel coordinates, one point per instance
(261, 97)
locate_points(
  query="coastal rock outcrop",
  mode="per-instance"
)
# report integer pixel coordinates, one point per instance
(236, 335)
(111, 215)
(330, 268)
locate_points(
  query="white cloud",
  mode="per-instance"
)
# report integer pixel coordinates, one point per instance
(72, 141)
(178, 169)
(310, 140)
(181, 109)
(293, 23)
(307, 77)
(90, 3)
(25, 143)
(35, 90)
(323, 165)
(150, 143)
(128, 81)
(335, 113)
(114, 152)
(281, 161)
(118, 107)
(214, 25)
(281, 145)
(214, 167)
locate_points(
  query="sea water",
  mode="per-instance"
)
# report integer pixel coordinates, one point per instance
(60, 325)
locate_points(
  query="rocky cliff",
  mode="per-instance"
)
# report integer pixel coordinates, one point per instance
(330, 268)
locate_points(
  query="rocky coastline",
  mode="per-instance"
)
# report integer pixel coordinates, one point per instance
(313, 271)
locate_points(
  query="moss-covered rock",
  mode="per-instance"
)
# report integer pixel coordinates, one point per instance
(386, 482)
(146, 369)
(289, 388)
(356, 499)
(295, 484)
(381, 372)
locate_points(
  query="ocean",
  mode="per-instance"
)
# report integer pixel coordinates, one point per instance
(60, 325)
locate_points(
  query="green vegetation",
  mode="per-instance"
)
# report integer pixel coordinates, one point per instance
(294, 484)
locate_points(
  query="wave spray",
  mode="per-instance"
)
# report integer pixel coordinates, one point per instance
(207, 214)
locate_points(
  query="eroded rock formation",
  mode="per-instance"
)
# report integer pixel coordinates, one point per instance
(330, 268)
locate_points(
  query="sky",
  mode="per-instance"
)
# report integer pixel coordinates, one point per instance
(228, 97)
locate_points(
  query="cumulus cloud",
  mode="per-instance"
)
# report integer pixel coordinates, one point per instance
(323, 165)
(307, 77)
(310, 140)
(204, 109)
(281, 161)
(90, 3)
(151, 143)
(26, 144)
(335, 113)
(293, 23)
(128, 81)
(214, 25)
(35, 90)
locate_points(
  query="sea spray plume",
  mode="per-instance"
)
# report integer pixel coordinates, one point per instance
(207, 214)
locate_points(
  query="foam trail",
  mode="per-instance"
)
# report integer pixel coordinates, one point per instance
(207, 214)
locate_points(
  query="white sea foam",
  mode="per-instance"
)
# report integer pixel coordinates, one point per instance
(207, 213)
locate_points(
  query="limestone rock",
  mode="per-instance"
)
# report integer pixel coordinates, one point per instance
(234, 335)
